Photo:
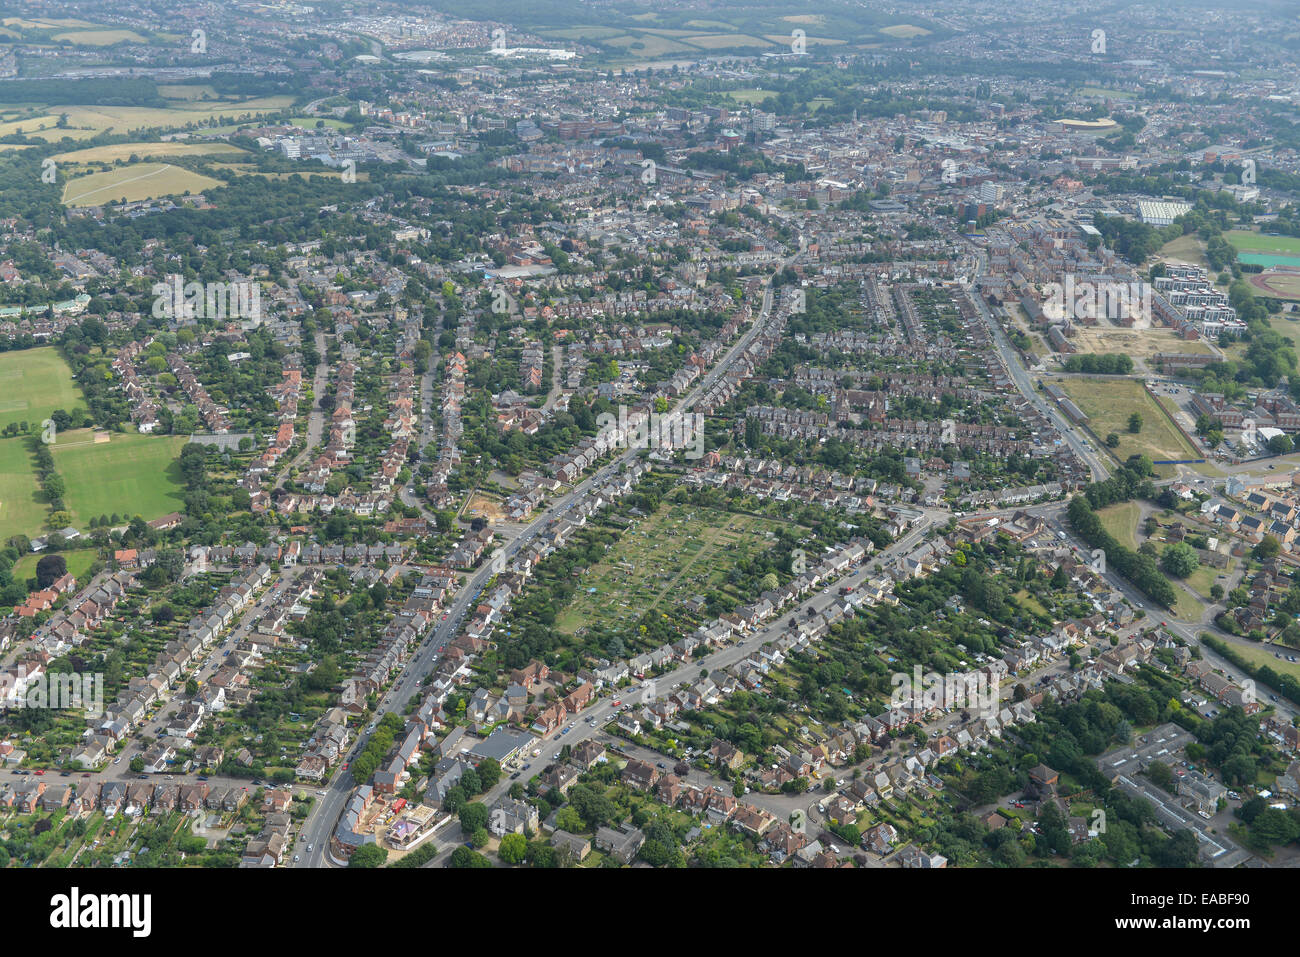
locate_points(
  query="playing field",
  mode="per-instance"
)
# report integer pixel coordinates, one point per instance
(680, 551)
(20, 513)
(1108, 403)
(33, 383)
(133, 183)
(1277, 284)
(131, 474)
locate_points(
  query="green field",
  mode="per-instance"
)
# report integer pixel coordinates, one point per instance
(1121, 521)
(78, 562)
(131, 474)
(20, 513)
(33, 383)
(1108, 404)
(1248, 241)
(1263, 655)
(680, 551)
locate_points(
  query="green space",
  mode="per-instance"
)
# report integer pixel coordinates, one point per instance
(79, 561)
(1108, 403)
(1263, 655)
(20, 512)
(679, 551)
(131, 474)
(33, 383)
(1121, 521)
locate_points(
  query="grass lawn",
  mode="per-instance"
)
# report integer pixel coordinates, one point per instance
(1108, 404)
(33, 383)
(1121, 521)
(1258, 654)
(131, 474)
(1207, 575)
(20, 512)
(78, 561)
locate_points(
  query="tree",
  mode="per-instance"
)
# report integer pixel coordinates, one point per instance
(473, 816)
(489, 772)
(1135, 423)
(464, 857)
(368, 855)
(513, 849)
(1179, 559)
(1112, 440)
(137, 764)
(1269, 547)
(50, 569)
(1216, 592)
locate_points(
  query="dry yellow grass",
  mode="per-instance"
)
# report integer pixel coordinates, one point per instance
(124, 151)
(136, 182)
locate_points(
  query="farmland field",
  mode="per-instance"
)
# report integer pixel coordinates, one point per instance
(87, 121)
(1108, 404)
(680, 551)
(131, 474)
(20, 513)
(135, 182)
(124, 151)
(33, 383)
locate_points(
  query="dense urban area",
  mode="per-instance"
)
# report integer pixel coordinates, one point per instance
(674, 435)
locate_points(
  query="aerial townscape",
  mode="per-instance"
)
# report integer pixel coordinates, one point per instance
(706, 434)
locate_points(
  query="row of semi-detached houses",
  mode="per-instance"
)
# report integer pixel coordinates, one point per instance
(176, 658)
(214, 417)
(140, 401)
(453, 667)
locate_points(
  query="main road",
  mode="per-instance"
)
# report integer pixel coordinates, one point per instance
(1011, 359)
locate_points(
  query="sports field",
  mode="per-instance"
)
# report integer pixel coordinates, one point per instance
(33, 383)
(131, 474)
(135, 182)
(20, 513)
(1256, 249)
(679, 551)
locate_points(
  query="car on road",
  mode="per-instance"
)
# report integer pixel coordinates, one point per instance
(322, 792)
(295, 858)
(309, 847)
(41, 771)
